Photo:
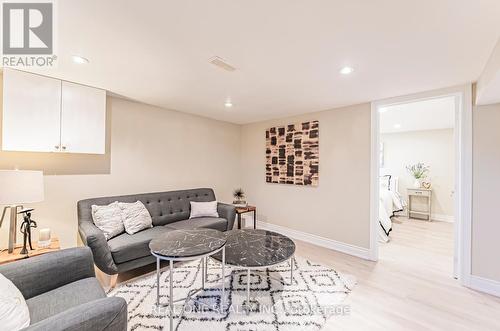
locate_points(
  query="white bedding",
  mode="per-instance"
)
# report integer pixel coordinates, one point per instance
(385, 223)
(390, 202)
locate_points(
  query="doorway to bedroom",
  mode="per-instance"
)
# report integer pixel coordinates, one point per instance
(418, 145)
(417, 179)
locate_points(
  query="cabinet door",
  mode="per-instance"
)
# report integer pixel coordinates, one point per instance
(31, 112)
(83, 119)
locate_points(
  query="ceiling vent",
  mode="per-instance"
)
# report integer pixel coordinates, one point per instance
(218, 62)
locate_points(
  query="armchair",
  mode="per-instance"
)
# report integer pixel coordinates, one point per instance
(62, 292)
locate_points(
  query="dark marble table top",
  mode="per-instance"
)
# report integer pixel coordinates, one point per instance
(251, 248)
(187, 243)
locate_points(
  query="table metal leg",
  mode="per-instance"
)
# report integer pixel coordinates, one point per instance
(203, 272)
(255, 219)
(171, 297)
(239, 221)
(223, 300)
(248, 291)
(206, 268)
(157, 281)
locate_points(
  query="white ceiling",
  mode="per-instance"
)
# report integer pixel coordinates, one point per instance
(287, 53)
(429, 114)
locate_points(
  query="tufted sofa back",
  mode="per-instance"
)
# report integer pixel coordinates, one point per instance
(164, 207)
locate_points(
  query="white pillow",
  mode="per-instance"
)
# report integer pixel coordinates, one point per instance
(203, 209)
(135, 217)
(109, 219)
(14, 313)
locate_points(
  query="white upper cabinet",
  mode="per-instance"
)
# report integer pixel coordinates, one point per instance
(83, 120)
(42, 114)
(31, 112)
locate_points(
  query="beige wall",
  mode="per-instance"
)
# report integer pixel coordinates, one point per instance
(486, 183)
(338, 208)
(150, 149)
(433, 147)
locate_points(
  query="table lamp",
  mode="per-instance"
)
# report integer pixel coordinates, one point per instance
(18, 187)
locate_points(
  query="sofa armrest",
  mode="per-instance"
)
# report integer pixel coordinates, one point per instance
(43, 273)
(228, 212)
(94, 238)
(107, 314)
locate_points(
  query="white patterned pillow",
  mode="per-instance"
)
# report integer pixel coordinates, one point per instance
(135, 217)
(203, 209)
(109, 219)
(14, 313)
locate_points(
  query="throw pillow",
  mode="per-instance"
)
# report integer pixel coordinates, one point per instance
(14, 313)
(109, 219)
(203, 209)
(135, 217)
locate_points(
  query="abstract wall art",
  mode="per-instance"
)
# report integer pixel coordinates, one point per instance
(292, 154)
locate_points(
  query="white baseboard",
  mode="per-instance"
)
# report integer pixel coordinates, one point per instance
(360, 252)
(485, 285)
(442, 218)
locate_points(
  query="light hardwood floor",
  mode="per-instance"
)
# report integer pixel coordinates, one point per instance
(410, 288)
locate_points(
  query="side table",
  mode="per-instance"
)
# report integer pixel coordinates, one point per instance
(187, 245)
(5, 257)
(247, 209)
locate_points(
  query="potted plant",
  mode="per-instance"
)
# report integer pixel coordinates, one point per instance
(419, 172)
(239, 197)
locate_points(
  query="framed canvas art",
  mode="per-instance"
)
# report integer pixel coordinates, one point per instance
(292, 154)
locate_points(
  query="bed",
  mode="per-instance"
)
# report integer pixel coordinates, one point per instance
(390, 202)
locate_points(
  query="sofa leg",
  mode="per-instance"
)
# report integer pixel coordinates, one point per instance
(107, 281)
(112, 281)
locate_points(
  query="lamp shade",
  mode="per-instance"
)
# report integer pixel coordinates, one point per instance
(20, 186)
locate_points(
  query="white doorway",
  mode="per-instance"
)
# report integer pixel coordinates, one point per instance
(462, 195)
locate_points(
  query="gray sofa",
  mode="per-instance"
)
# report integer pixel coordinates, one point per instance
(62, 293)
(169, 211)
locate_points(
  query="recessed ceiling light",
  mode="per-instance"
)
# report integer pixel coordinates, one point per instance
(228, 104)
(346, 70)
(80, 59)
(397, 126)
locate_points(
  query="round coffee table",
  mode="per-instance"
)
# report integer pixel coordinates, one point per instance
(187, 245)
(252, 249)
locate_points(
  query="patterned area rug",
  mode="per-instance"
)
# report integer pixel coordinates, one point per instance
(317, 293)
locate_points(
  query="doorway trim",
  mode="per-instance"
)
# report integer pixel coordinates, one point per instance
(463, 173)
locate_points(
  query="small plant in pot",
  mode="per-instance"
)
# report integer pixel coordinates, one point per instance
(419, 171)
(239, 198)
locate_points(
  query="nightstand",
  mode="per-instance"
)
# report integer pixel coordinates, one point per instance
(419, 192)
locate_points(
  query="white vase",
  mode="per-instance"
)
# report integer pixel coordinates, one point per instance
(417, 183)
